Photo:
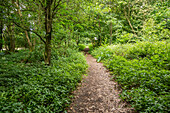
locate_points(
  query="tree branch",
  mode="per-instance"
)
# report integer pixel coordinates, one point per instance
(24, 28)
(54, 3)
(129, 21)
(53, 14)
(58, 3)
(41, 3)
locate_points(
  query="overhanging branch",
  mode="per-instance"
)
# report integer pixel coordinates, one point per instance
(24, 28)
(55, 8)
(58, 3)
(41, 3)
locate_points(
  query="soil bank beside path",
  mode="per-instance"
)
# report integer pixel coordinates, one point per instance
(97, 93)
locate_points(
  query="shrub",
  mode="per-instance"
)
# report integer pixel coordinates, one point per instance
(90, 48)
(81, 47)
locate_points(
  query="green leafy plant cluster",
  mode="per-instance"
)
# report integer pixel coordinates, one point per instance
(81, 47)
(142, 70)
(90, 48)
(35, 87)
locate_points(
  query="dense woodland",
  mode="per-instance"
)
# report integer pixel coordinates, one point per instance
(40, 58)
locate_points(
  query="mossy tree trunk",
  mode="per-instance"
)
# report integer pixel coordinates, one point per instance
(48, 27)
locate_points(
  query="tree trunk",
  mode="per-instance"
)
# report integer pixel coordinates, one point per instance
(12, 44)
(48, 27)
(78, 40)
(11, 39)
(11, 35)
(99, 35)
(1, 31)
(48, 50)
(110, 33)
(34, 43)
(28, 40)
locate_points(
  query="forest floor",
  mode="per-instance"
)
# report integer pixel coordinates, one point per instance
(97, 93)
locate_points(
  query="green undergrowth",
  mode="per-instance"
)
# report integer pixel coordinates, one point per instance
(81, 47)
(142, 70)
(31, 86)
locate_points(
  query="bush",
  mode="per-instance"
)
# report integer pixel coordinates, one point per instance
(81, 47)
(90, 48)
(142, 70)
(34, 87)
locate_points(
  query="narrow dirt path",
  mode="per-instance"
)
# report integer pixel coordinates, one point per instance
(97, 93)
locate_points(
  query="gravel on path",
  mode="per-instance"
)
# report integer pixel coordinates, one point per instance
(97, 93)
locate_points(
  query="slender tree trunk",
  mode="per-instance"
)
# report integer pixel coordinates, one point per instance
(129, 21)
(11, 43)
(48, 27)
(34, 43)
(110, 33)
(100, 34)
(10, 38)
(100, 40)
(6, 43)
(11, 35)
(78, 40)
(28, 40)
(1, 31)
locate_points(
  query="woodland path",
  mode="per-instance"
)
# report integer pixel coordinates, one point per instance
(97, 93)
